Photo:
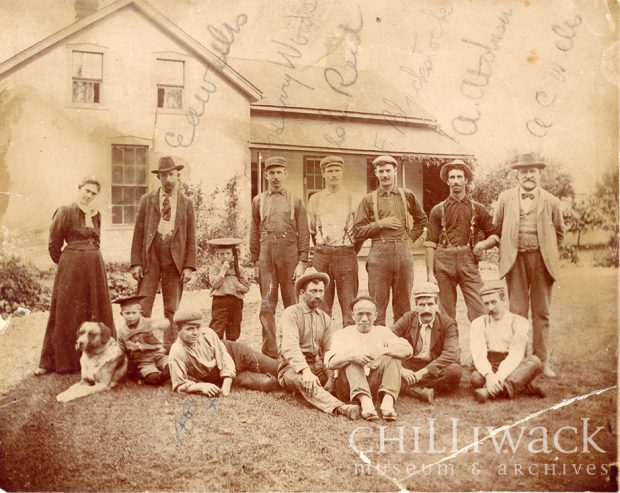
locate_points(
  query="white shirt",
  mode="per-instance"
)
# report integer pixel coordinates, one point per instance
(527, 203)
(328, 213)
(425, 337)
(166, 228)
(507, 335)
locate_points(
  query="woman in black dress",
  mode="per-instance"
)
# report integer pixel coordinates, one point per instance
(81, 286)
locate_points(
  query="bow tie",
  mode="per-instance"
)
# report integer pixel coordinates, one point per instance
(527, 195)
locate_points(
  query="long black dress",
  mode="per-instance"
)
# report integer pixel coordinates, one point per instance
(80, 288)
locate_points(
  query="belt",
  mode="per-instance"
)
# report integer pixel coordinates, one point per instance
(381, 240)
(283, 236)
(77, 244)
(328, 248)
(459, 248)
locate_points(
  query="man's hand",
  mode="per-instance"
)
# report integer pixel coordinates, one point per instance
(187, 275)
(493, 385)
(136, 272)
(226, 386)
(300, 268)
(361, 358)
(420, 374)
(309, 382)
(479, 248)
(208, 389)
(409, 376)
(430, 277)
(389, 222)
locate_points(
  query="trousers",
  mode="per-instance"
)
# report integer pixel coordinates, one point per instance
(530, 284)
(384, 379)
(458, 266)
(226, 314)
(529, 368)
(340, 263)
(322, 399)
(390, 268)
(277, 261)
(162, 267)
(446, 381)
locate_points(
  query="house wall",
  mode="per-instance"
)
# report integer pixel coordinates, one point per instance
(51, 143)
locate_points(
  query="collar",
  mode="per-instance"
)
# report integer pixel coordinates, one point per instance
(339, 190)
(305, 308)
(282, 192)
(464, 200)
(430, 324)
(163, 193)
(536, 191)
(385, 193)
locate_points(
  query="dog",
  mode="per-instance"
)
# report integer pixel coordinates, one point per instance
(103, 362)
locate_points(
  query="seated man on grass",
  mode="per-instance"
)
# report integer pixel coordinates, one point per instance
(498, 344)
(201, 363)
(368, 358)
(141, 339)
(434, 366)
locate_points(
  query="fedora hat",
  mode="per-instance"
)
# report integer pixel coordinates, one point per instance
(167, 164)
(456, 164)
(311, 274)
(527, 161)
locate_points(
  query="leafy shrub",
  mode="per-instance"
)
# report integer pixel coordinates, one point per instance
(121, 284)
(20, 285)
(609, 256)
(570, 253)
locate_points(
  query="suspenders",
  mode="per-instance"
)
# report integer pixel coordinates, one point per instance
(263, 213)
(375, 209)
(319, 226)
(444, 232)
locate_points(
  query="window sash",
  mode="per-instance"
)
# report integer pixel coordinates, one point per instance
(129, 181)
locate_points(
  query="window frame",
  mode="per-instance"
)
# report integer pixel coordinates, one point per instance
(87, 48)
(123, 185)
(170, 56)
(309, 191)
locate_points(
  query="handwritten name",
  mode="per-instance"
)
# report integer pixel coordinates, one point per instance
(554, 77)
(223, 39)
(476, 80)
(189, 421)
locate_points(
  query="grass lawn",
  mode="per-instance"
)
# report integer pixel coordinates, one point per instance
(137, 438)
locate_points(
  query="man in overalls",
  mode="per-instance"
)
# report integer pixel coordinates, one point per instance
(330, 220)
(394, 219)
(279, 244)
(452, 251)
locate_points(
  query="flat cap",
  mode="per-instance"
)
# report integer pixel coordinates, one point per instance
(494, 286)
(384, 160)
(425, 289)
(184, 316)
(129, 300)
(272, 162)
(331, 161)
(527, 161)
(456, 164)
(224, 242)
(311, 274)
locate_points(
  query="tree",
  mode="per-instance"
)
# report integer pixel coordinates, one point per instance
(605, 201)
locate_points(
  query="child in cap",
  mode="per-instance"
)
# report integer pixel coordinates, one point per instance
(141, 339)
(228, 287)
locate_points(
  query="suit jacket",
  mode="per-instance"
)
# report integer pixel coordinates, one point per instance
(183, 236)
(550, 229)
(445, 348)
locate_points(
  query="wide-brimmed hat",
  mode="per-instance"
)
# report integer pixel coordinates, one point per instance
(129, 300)
(224, 242)
(166, 163)
(331, 161)
(527, 161)
(272, 162)
(456, 164)
(311, 274)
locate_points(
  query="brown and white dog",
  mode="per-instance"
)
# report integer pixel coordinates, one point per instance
(103, 362)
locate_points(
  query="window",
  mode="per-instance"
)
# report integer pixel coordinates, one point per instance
(313, 178)
(128, 181)
(170, 81)
(87, 77)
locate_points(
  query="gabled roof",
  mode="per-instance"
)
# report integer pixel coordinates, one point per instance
(166, 25)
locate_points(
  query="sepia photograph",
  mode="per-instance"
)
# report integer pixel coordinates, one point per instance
(309, 245)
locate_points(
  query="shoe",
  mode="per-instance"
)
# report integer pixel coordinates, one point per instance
(481, 395)
(351, 411)
(270, 384)
(41, 371)
(548, 372)
(423, 394)
(370, 415)
(534, 389)
(389, 414)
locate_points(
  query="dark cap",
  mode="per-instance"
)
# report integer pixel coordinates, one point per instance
(166, 163)
(224, 242)
(331, 161)
(129, 300)
(384, 160)
(272, 162)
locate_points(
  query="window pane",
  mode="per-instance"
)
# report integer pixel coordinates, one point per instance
(170, 72)
(140, 155)
(129, 175)
(161, 95)
(173, 98)
(117, 195)
(117, 175)
(130, 155)
(87, 65)
(117, 214)
(117, 155)
(130, 214)
(83, 92)
(140, 176)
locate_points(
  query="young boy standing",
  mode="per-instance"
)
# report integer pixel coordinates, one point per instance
(228, 287)
(141, 339)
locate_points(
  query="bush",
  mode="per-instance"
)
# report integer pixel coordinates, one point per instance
(20, 286)
(121, 284)
(570, 253)
(609, 256)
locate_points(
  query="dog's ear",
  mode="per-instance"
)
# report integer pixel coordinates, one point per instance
(106, 333)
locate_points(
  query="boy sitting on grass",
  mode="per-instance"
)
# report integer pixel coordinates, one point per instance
(141, 339)
(228, 287)
(200, 363)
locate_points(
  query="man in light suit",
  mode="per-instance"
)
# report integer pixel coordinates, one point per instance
(434, 365)
(530, 223)
(164, 244)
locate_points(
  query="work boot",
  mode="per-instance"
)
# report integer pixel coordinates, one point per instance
(481, 395)
(423, 394)
(535, 390)
(351, 411)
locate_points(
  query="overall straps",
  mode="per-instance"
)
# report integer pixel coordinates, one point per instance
(408, 217)
(319, 226)
(375, 208)
(291, 205)
(444, 231)
(349, 218)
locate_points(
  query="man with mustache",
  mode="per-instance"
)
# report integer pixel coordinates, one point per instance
(530, 223)
(434, 365)
(498, 344)
(279, 244)
(304, 337)
(331, 213)
(452, 249)
(394, 219)
(163, 248)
